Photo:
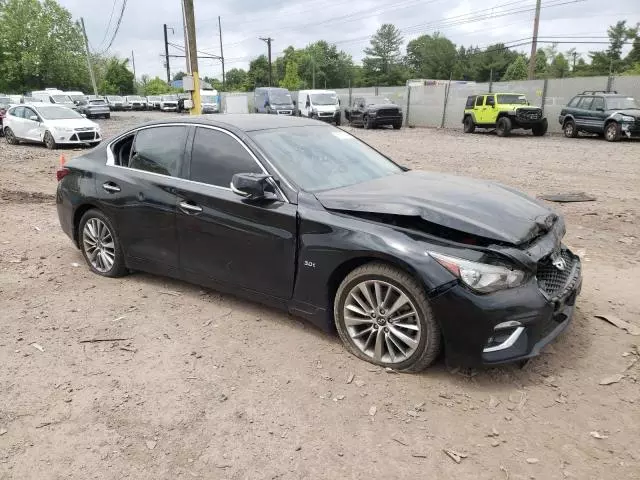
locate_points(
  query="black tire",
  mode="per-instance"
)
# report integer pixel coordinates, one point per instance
(338, 122)
(539, 129)
(397, 125)
(119, 268)
(48, 140)
(612, 131)
(469, 124)
(107, 116)
(11, 138)
(368, 123)
(570, 130)
(503, 128)
(429, 343)
(93, 144)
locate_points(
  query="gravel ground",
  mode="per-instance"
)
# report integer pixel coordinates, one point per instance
(210, 386)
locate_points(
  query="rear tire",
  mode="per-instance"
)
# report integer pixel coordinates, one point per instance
(108, 241)
(397, 125)
(107, 116)
(570, 130)
(420, 330)
(11, 138)
(49, 142)
(612, 132)
(503, 128)
(469, 124)
(539, 129)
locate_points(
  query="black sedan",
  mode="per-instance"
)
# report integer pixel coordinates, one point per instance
(303, 216)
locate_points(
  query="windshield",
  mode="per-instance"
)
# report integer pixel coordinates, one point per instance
(512, 99)
(324, 98)
(4, 101)
(321, 157)
(170, 97)
(58, 113)
(78, 98)
(622, 103)
(280, 98)
(61, 99)
(97, 102)
(376, 100)
(114, 99)
(153, 99)
(135, 98)
(208, 99)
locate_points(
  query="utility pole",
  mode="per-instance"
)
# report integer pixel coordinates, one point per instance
(86, 46)
(534, 42)
(133, 61)
(268, 41)
(313, 73)
(186, 37)
(221, 52)
(166, 54)
(192, 54)
(575, 54)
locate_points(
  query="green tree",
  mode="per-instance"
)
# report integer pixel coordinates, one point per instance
(118, 79)
(236, 80)
(492, 62)
(179, 75)
(634, 55)
(156, 86)
(559, 67)
(258, 75)
(431, 56)
(383, 61)
(291, 79)
(40, 46)
(517, 70)
(541, 63)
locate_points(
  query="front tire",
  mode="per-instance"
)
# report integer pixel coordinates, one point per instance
(107, 116)
(100, 245)
(368, 123)
(469, 124)
(539, 129)
(612, 132)
(570, 130)
(503, 128)
(397, 125)
(49, 142)
(11, 138)
(383, 317)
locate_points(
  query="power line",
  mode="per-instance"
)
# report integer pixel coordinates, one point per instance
(106, 32)
(118, 23)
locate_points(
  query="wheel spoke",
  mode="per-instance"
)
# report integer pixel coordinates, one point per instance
(403, 316)
(401, 301)
(378, 291)
(389, 343)
(410, 342)
(393, 341)
(379, 347)
(372, 335)
(386, 297)
(357, 310)
(364, 331)
(408, 326)
(364, 288)
(107, 260)
(355, 296)
(353, 321)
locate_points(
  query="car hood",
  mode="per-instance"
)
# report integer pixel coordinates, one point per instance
(71, 123)
(632, 113)
(475, 207)
(378, 106)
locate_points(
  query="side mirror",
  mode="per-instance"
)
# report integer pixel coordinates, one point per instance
(34, 118)
(308, 104)
(252, 186)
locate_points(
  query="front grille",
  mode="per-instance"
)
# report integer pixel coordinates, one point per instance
(84, 129)
(284, 112)
(84, 136)
(529, 114)
(554, 281)
(388, 111)
(326, 114)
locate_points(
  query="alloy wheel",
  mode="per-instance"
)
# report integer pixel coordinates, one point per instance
(99, 245)
(382, 321)
(11, 138)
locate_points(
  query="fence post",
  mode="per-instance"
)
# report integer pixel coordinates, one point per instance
(446, 99)
(491, 81)
(406, 123)
(376, 90)
(544, 94)
(349, 93)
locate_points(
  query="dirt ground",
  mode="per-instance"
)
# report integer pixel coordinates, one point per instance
(209, 386)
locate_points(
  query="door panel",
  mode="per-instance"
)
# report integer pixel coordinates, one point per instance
(249, 245)
(582, 114)
(32, 129)
(480, 110)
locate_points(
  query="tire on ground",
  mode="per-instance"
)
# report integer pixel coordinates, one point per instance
(503, 128)
(119, 269)
(430, 339)
(539, 129)
(469, 124)
(612, 131)
(569, 128)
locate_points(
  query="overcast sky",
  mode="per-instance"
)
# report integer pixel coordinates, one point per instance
(348, 24)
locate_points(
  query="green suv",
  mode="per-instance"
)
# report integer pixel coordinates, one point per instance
(503, 112)
(605, 113)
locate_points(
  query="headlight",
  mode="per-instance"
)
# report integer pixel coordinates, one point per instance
(481, 277)
(627, 118)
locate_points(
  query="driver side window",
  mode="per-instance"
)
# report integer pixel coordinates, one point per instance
(491, 100)
(479, 101)
(28, 113)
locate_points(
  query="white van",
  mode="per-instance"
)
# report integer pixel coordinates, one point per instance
(76, 96)
(321, 104)
(51, 95)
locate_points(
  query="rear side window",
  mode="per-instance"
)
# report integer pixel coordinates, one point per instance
(598, 103)
(479, 101)
(470, 101)
(17, 112)
(574, 102)
(585, 103)
(491, 100)
(159, 150)
(216, 157)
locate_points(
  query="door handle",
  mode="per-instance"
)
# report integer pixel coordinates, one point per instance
(190, 207)
(111, 187)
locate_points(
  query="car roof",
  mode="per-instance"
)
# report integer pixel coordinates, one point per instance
(245, 122)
